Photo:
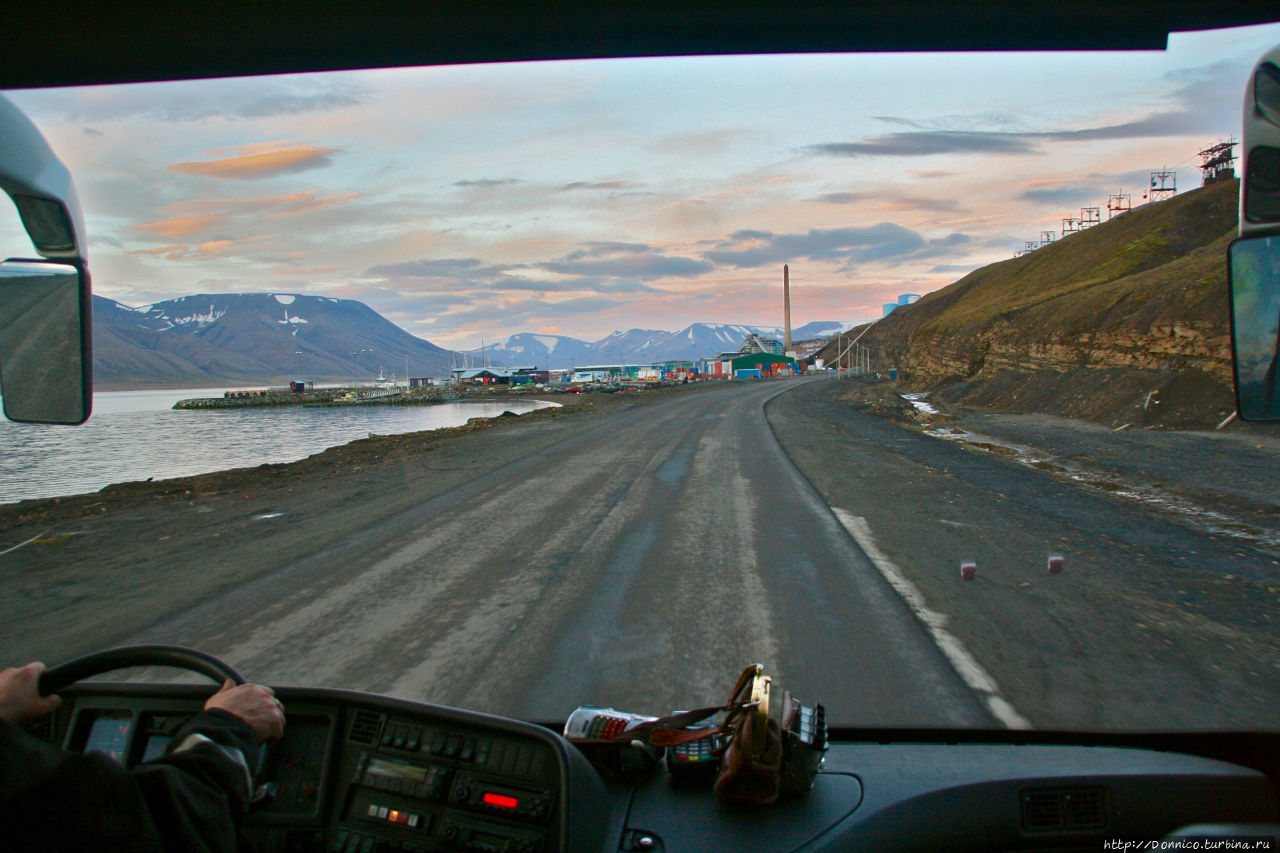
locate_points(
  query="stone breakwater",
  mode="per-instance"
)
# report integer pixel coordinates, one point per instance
(324, 397)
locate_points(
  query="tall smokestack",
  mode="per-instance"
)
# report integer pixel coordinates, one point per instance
(786, 305)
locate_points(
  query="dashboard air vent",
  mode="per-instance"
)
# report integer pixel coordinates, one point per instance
(365, 727)
(1083, 809)
(1063, 809)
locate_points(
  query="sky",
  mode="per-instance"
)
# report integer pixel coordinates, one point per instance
(582, 197)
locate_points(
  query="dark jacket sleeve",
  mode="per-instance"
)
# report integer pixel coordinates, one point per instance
(193, 799)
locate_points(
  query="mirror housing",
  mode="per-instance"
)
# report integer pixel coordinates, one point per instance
(46, 347)
(1253, 260)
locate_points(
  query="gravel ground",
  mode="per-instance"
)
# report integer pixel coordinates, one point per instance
(1165, 616)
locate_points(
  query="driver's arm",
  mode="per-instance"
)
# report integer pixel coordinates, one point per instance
(194, 798)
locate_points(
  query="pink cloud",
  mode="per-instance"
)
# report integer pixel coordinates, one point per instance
(162, 250)
(253, 161)
(180, 226)
(307, 202)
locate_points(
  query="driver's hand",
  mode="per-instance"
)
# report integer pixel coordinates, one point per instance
(20, 702)
(253, 703)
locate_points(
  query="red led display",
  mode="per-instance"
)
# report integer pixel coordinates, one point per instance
(502, 801)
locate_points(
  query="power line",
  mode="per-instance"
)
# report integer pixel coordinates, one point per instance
(1217, 164)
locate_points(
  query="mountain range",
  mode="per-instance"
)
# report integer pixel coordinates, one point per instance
(270, 338)
(637, 346)
(252, 337)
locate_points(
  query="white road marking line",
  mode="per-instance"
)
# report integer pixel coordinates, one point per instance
(969, 670)
(21, 544)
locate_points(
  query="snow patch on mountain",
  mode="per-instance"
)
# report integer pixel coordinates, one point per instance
(198, 319)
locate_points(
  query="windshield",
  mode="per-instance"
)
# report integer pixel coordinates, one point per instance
(907, 376)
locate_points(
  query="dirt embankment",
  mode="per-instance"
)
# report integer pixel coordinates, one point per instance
(1126, 322)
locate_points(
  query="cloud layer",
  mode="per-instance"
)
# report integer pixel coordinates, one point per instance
(582, 197)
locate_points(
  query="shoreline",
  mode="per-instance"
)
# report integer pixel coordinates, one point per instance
(159, 547)
(367, 452)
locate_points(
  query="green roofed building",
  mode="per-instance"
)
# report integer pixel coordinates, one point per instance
(767, 363)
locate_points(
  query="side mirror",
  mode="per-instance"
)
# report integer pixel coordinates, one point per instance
(1254, 269)
(46, 349)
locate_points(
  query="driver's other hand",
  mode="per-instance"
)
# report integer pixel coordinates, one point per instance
(20, 701)
(253, 703)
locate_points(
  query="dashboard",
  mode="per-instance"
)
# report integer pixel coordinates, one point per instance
(360, 773)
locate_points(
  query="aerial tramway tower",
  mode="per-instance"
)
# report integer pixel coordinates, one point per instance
(1218, 162)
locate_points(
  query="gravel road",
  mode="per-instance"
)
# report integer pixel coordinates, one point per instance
(638, 557)
(640, 549)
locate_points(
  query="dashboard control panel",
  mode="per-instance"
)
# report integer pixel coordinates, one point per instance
(360, 773)
(415, 785)
(351, 778)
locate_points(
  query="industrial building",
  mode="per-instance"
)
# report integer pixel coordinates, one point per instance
(903, 299)
(749, 365)
(499, 376)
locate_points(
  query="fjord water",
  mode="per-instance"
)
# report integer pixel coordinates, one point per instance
(134, 435)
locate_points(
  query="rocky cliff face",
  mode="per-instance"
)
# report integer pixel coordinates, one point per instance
(1134, 310)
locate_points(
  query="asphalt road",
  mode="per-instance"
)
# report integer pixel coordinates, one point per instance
(1163, 619)
(639, 564)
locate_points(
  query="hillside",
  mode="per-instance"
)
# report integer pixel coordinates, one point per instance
(1125, 322)
(251, 338)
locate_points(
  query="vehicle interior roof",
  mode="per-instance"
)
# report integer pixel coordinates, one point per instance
(79, 42)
